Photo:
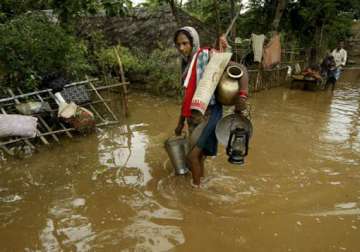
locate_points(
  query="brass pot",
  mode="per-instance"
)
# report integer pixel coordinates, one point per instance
(228, 87)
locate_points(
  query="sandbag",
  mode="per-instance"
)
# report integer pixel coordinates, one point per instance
(18, 125)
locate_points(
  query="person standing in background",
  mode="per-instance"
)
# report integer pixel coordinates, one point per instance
(340, 58)
(340, 55)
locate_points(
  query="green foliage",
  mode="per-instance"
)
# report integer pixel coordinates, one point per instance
(13, 8)
(95, 42)
(301, 20)
(107, 60)
(340, 29)
(162, 71)
(318, 21)
(102, 56)
(32, 47)
(116, 7)
(67, 10)
(159, 70)
(155, 3)
(70, 9)
(209, 10)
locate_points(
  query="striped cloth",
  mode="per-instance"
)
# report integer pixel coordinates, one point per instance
(201, 58)
(194, 74)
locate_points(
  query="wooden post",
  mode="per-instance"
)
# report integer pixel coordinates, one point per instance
(258, 78)
(102, 99)
(123, 80)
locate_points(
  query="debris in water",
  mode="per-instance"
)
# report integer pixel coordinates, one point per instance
(79, 202)
(10, 198)
(346, 205)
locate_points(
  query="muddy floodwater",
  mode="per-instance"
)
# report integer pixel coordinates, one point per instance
(116, 191)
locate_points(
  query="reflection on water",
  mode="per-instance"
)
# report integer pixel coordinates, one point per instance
(343, 125)
(116, 190)
(124, 152)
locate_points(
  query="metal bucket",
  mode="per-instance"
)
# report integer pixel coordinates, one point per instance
(177, 149)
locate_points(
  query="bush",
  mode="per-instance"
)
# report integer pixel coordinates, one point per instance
(32, 47)
(159, 70)
(162, 71)
(107, 60)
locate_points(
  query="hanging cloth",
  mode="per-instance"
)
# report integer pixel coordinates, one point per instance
(257, 42)
(272, 52)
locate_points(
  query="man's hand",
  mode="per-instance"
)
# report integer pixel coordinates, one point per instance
(179, 128)
(240, 105)
(223, 44)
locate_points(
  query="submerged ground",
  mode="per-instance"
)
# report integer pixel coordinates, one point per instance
(115, 190)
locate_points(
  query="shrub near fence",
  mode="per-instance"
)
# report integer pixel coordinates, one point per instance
(32, 47)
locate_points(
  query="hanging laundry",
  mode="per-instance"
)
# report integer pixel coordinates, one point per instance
(257, 42)
(272, 52)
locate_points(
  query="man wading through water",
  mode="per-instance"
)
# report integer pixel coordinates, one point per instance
(340, 58)
(194, 60)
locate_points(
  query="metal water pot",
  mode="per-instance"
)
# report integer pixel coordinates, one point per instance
(228, 87)
(177, 149)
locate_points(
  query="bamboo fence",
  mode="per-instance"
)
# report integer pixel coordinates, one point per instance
(49, 128)
(260, 79)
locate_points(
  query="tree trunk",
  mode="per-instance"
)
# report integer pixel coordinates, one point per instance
(317, 44)
(217, 17)
(232, 11)
(172, 4)
(280, 7)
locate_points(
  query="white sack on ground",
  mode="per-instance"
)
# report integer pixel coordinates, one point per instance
(18, 125)
(257, 42)
(208, 83)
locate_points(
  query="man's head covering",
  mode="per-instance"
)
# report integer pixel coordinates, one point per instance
(194, 37)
